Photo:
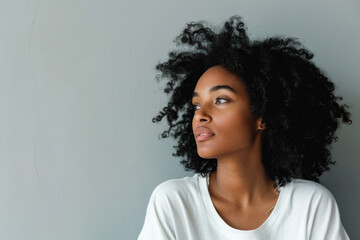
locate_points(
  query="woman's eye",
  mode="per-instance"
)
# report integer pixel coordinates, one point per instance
(195, 107)
(221, 100)
(218, 101)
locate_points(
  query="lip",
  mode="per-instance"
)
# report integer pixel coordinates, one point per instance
(204, 137)
(201, 130)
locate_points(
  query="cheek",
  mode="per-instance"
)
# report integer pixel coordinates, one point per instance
(236, 126)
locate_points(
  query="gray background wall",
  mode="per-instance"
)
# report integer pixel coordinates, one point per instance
(79, 155)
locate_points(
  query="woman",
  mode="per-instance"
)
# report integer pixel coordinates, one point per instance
(257, 122)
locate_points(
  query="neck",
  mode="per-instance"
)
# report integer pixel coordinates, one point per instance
(241, 178)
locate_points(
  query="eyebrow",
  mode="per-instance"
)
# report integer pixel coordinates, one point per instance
(215, 88)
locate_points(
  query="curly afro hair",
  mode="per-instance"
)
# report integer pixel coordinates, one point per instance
(294, 98)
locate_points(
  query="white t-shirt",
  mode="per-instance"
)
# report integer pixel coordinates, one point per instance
(182, 209)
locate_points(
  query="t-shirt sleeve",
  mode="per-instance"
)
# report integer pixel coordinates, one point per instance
(326, 224)
(158, 222)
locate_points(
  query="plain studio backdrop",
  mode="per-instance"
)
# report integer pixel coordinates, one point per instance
(79, 155)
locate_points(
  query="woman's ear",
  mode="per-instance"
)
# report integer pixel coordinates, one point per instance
(260, 124)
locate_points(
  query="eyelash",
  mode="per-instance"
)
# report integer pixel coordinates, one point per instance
(194, 106)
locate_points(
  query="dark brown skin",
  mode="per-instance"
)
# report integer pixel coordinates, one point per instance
(240, 189)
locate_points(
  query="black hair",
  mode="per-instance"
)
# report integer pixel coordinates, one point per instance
(294, 98)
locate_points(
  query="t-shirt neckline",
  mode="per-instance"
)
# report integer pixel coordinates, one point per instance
(227, 229)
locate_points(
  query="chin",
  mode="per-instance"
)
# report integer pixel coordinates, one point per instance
(207, 154)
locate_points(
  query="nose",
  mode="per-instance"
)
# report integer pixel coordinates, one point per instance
(201, 115)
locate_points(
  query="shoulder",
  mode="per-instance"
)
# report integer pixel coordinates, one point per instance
(315, 205)
(174, 188)
(308, 188)
(165, 206)
(311, 194)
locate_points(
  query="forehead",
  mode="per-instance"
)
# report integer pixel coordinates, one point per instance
(218, 75)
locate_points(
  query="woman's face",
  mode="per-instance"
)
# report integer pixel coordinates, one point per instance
(222, 122)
